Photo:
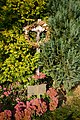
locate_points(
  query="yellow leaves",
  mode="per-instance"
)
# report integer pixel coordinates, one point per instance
(5, 8)
(1, 45)
(8, 33)
(5, 33)
(19, 61)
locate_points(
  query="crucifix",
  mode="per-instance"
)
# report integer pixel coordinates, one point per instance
(38, 27)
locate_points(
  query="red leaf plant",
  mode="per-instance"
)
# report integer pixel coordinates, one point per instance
(40, 76)
(34, 107)
(38, 105)
(53, 104)
(52, 93)
(19, 110)
(6, 115)
(28, 114)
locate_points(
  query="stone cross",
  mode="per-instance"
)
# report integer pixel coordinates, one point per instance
(38, 27)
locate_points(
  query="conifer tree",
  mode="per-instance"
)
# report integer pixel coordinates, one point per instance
(60, 57)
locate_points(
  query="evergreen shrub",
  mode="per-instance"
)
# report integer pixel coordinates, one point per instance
(60, 57)
(18, 60)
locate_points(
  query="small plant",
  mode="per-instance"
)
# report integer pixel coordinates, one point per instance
(11, 95)
(40, 76)
(33, 108)
(28, 109)
(6, 115)
(53, 100)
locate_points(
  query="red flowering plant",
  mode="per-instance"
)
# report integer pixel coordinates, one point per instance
(38, 105)
(6, 115)
(5, 99)
(33, 108)
(19, 110)
(50, 98)
(53, 100)
(40, 76)
(11, 95)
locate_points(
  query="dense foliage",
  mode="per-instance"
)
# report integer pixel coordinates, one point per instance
(59, 62)
(17, 58)
(14, 104)
(67, 112)
(60, 57)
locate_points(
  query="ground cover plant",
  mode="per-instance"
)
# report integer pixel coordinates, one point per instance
(69, 111)
(14, 105)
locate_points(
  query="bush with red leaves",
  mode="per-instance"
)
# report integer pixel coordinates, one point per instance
(40, 76)
(52, 93)
(34, 107)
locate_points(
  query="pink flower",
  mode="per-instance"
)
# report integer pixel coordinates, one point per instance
(8, 92)
(33, 107)
(34, 101)
(27, 104)
(51, 92)
(4, 89)
(5, 93)
(55, 99)
(44, 107)
(18, 115)
(53, 103)
(38, 105)
(8, 113)
(20, 106)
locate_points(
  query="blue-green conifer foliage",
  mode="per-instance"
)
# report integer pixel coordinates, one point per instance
(60, 57)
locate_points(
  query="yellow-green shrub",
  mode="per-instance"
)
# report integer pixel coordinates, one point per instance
(17, 59)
